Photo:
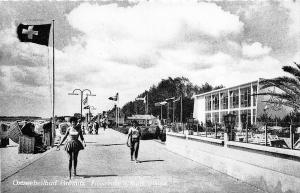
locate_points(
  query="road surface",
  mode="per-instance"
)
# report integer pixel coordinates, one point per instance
(104, 166)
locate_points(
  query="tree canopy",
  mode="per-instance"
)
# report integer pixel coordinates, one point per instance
(289, 87)
(167, 88)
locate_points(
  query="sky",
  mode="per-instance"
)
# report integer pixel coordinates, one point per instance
(128, 46)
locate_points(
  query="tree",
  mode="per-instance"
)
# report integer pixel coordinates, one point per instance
(167, 88)
(289, 88)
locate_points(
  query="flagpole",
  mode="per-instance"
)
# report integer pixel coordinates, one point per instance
(145, 105)
(173, 110)
(118, 112)
(160, 112)
(181, 109)
(53, 89)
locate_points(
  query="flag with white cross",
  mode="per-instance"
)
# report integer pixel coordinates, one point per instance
(38, 34)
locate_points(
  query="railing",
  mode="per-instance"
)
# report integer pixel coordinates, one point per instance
(286, 136)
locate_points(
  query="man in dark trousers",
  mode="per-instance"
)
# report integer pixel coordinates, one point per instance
(133, 141)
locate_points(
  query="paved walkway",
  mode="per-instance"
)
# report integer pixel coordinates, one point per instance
(105, 166)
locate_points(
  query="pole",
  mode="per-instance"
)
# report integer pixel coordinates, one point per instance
(160, 112)
(216, 131)
(181, 113)
(247, 131)
(291, 134)
(116, 115)
(266, 135)
(145, 105)
(89, 118)
(81, 93)
(181, 109)
(118, 110)
(53, 89)
(173, 110)
(168, 112)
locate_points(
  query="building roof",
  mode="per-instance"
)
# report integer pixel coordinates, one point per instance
(223, 89)
(142, 117)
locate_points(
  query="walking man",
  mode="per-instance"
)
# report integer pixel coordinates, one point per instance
(133, 140)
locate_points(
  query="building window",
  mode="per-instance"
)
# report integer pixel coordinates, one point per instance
(207, 103)
(234, 99)
(224, 100)
(246, 97)
(207, 117)
(254, 116)
(248, 115)
(236, 113)
(222, 114)
(215, 100)
(215, 117)
(254, 87)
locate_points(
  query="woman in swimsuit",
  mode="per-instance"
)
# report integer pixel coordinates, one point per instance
(73, 145)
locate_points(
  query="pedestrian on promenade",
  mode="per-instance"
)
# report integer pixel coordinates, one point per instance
(133, 140)
(96, 127)
(73, 145)
(90, 125)
(104, 124)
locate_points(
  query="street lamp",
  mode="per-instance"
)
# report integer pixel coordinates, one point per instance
(81, 95)
(229, 121)
(266, 124)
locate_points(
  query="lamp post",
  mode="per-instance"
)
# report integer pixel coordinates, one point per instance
(266, 124)
(81, 95)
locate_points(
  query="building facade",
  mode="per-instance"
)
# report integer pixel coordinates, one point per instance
(238, 100)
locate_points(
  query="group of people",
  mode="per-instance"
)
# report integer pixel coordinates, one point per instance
(92, 127)
(73, 145)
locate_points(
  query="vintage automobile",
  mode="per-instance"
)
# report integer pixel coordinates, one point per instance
(155, 130)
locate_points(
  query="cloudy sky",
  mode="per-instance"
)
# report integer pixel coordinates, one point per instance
(127, 46)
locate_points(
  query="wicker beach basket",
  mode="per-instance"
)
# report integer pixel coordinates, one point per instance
(3, 130)
(14, 132)
(26, 144)
(47, 138)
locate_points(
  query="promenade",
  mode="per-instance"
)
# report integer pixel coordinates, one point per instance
(105, 166)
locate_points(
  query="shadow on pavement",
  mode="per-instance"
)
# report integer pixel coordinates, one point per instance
(96, 176)
(109, 144)
(155, 160)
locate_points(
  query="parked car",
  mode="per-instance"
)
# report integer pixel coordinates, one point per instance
(155, 130)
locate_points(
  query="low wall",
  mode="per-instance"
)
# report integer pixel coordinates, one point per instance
(268, 170)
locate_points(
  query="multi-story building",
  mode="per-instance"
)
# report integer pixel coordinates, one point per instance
(238, 100)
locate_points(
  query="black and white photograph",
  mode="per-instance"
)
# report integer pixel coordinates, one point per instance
(167, 96)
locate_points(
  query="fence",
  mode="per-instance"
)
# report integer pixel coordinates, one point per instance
(270, 134)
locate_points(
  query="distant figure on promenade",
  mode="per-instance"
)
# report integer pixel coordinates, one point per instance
(96, 127)
(90, 128)
(104, 123)
(133, 140)
(82, 128)
(73, 146)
